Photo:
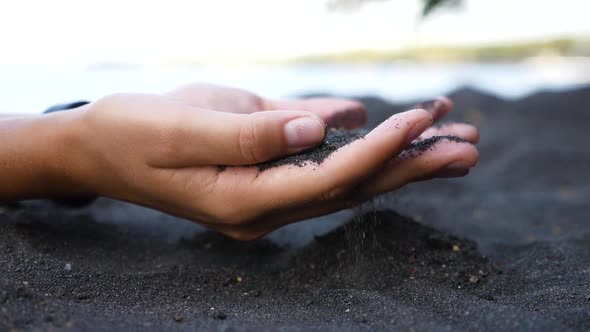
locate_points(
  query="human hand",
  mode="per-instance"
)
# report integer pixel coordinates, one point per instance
(335, 112)
(162, 151)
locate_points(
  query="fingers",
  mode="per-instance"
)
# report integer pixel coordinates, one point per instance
(346, 167)
(350, 114)
(203, 137)
(463, 130)
(336, 112)
(439, 107)
(445, 159)
(218, 98)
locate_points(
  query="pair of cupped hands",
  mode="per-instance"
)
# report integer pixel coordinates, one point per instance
(163, 151)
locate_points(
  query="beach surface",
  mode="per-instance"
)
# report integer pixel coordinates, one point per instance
(506, 248)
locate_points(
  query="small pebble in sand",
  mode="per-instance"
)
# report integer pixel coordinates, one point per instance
(68, 267)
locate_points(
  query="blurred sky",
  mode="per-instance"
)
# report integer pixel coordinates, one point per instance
(81, 32)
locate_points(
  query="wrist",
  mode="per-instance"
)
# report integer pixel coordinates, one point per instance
(67, 170)
(40, 156)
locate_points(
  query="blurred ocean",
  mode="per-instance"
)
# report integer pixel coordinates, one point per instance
(30, 89)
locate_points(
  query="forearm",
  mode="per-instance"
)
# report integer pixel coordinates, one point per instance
(4, 116)
(34, 156)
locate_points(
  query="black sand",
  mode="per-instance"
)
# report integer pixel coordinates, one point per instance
(430, 143)
(518, 258)
(333, 141)
(336, 139)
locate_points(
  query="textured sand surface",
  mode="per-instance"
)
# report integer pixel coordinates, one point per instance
(505, 248)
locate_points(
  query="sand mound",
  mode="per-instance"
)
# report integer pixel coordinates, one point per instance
(382, 250)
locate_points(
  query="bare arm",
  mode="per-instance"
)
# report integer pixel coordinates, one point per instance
(4, 116)
(32, 159)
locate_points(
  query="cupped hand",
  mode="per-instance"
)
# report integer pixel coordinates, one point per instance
(163, 151)
(335, 112)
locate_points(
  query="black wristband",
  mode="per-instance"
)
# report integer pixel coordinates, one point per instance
(73, 202)
(67, 106)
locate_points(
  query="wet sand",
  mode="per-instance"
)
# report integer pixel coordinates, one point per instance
(505, 248)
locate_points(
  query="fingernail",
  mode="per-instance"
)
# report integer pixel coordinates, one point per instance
(418, 129)
(303, 132)
(454, 169)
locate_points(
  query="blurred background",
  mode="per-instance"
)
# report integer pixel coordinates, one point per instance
(63, 50)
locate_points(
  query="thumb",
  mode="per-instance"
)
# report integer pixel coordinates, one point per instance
(217, 138)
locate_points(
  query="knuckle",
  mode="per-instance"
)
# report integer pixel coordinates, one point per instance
(257, 102)
(169, 146)
(249, 143)
(332, 193)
